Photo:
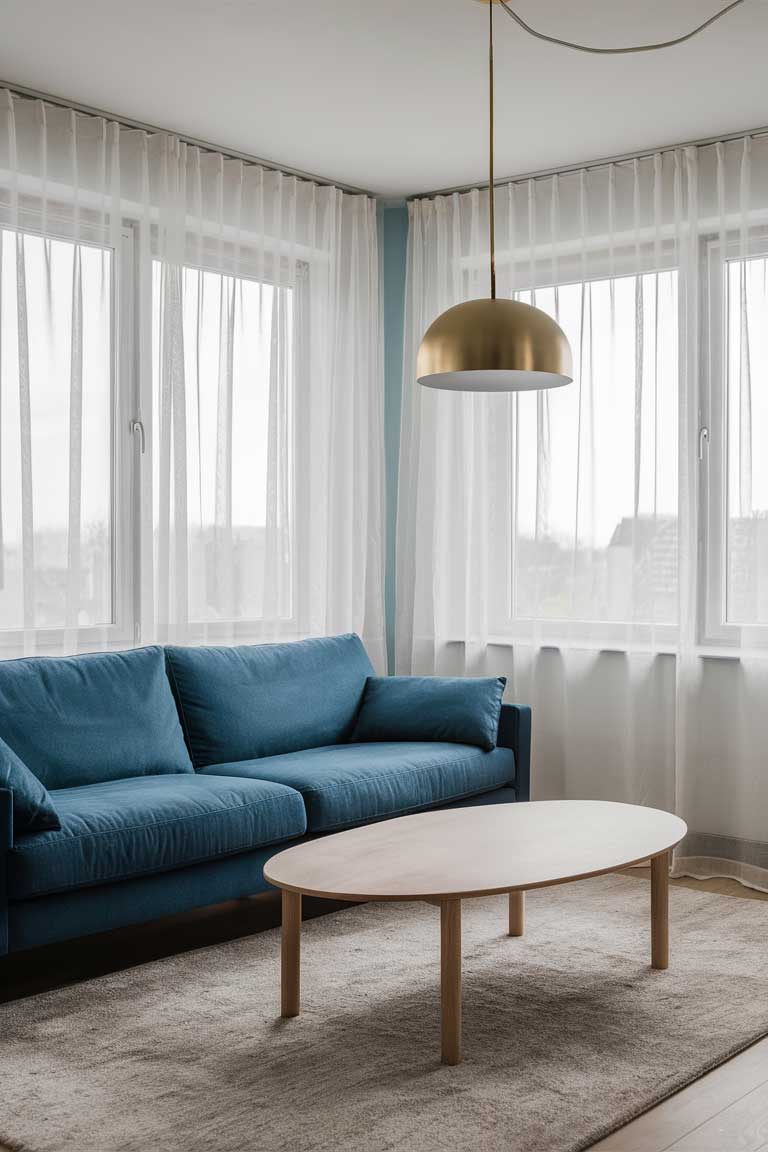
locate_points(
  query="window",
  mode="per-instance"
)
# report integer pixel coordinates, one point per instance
(71, 503)
(237, 335)
(597, 544)
(734, 609)
(57, 470)
(596, 548)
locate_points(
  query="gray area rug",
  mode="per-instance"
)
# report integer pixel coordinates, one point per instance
(567, 1032)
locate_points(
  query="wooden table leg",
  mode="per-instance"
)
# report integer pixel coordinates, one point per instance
(450, 980)
(516, 913)
(660, 910)
(290, 955)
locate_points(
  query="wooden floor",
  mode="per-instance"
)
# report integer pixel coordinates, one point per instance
(725, 1111)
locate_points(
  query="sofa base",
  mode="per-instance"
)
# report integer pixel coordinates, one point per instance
(86, 911)
(83, 912)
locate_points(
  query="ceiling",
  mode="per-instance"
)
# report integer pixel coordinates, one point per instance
(390, 95)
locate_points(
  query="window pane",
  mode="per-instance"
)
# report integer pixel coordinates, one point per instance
(55, 433)
(747, 398)
(238, 339)
(596, 508)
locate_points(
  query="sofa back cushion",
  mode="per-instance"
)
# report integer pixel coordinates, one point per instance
(264, 699)
(84, 719)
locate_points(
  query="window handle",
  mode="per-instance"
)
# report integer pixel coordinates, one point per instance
(137, 426)
(703, 440)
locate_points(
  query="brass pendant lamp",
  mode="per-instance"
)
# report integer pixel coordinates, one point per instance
(494, 345)
(504, 345)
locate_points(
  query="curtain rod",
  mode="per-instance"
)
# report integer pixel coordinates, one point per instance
(124, 122)
(592, 165)
(248, 158)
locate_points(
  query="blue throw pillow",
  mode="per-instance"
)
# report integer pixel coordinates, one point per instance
(33, 809)
(456, 709)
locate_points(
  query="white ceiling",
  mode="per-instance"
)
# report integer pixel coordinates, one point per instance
(389, 95)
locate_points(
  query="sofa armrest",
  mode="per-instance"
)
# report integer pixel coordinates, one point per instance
(515, 733)
(6, 843)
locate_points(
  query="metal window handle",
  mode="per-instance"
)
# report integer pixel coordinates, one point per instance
(703, 440)
(137, 426)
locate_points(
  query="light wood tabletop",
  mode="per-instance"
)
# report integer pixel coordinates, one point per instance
(477, 851)
(446, 856)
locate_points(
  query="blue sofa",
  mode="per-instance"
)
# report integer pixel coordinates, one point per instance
(175, 773)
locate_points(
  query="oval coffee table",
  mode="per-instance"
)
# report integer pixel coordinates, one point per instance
(446, 856)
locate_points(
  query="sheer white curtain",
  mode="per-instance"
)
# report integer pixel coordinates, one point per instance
(605, 544)
(191, 396)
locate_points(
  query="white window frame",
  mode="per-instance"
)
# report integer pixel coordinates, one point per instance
(714, 629)
(560, 632)
(132, 438)
(246, 263)
(121, 632)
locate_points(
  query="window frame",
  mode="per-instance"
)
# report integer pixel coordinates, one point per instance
(708, 398)
(577, 268)
(246, 263)
(717, 252)
(121, 631)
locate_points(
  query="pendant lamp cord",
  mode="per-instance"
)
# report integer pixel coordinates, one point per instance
(617, 51)
(491, 195)
(577, 48)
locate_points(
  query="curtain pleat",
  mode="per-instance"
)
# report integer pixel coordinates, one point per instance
(75, 447)
(25, 434)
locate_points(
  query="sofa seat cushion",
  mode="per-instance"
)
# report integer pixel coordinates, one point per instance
(85, 719)
(125, 828)
(264, 699)
(349, 784)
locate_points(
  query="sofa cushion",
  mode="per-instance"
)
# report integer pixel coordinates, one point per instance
(125, 828)
(33, 808)
(264, 699)
(460, 709)
(351, 783)
(83, 719)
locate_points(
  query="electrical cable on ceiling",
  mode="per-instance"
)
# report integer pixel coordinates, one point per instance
(617, 51)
